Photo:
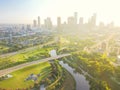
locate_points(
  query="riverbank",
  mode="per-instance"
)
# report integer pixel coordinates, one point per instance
(69, 82)
(81, 82)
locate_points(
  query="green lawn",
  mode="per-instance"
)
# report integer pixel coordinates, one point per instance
(22, 57)
(17, 81)
(3, 49)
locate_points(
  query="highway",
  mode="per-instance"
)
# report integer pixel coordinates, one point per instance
(12, 69)
(27, 49)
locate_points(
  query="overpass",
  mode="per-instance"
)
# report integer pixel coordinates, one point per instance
(12, 69)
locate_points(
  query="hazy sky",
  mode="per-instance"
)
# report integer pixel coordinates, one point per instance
(24, 11)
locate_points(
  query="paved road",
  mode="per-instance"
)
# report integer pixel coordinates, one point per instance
(9, 70)
(105, 40)
(25, 50)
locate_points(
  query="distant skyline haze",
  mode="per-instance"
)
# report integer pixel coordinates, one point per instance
(25, 11)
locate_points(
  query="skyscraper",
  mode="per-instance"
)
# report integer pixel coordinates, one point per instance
(71, 21)
(45, 23)
(81, 21)
(58, 21)
(28, 27)
(75, 17)
(38, 21)
(48, 23)
(93, 20)
(34, 23)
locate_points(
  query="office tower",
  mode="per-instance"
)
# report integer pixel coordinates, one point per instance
(81, 21)
(75, 17)
(38, 21)
(64, 25)
(23, 27)
(48, 23)
(34, 23)
(58, 21)
(93, 20)
(28, 27)
(45, 23)
(71, 21)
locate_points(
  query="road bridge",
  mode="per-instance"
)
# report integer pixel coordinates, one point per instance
(12, 69)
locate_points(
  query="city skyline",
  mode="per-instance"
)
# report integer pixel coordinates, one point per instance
(24, 11)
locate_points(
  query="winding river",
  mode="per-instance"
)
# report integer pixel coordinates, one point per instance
(81, 82)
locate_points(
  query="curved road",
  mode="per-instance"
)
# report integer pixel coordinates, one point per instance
(9, 70)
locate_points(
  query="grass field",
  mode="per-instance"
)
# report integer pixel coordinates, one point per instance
(23, 57)
(3, 49)
(17, 81)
